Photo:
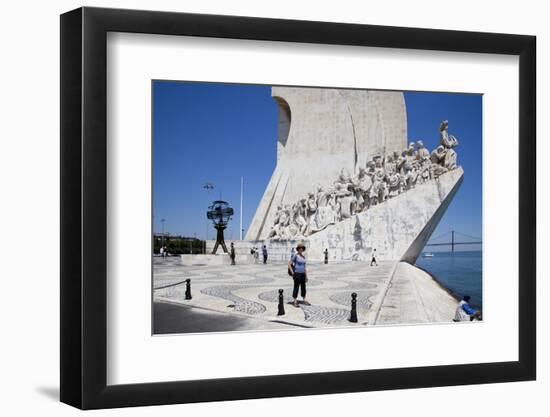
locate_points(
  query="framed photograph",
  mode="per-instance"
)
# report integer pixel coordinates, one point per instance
(258, 208)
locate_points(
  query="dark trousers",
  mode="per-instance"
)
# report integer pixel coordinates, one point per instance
(299, 282)
(265, 259)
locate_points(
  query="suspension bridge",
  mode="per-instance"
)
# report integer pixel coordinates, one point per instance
(451, 240)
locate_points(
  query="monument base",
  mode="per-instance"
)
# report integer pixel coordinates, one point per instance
(277, 250)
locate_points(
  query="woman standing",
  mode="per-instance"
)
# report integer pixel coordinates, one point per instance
(297, 267)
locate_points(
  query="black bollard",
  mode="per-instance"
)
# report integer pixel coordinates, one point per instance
(188, 289)
(353, 316)
(281, 304)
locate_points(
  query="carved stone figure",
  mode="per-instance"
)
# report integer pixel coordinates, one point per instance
(321, 196)
(450, 159)
(375, 170)
(300, 217)
(342, 185)
(423, 163)
(448, 142)
(394, 184)
(421, 152)
(382, 178)
(333, 205)
(409, 168)
(282, 220)
(311, 211)
(347, 207)
(324, 215)
(390, 165)
(424, 170)
(437, 158)
(361, 184)
(411, 150)
(399, 161)
(346, 201)
(379, 184)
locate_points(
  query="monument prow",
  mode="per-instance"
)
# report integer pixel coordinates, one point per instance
(398, 228)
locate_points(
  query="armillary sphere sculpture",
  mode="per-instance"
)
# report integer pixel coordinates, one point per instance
(220, 213)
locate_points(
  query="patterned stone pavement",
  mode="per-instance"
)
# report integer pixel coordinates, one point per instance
(252, 290)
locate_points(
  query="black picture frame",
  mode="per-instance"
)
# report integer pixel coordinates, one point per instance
(84, 207)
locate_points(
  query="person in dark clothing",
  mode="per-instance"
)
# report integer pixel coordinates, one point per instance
(297, 266)
(326, 256)
(264, 253)
(373, 259)
(232, 253)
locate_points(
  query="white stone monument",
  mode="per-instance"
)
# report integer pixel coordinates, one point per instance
(346, 181)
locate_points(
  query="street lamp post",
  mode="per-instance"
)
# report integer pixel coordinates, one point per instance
(208, 187)
(162, 235)
(241, 212)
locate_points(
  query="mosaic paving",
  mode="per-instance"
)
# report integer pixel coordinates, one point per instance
(252, 289)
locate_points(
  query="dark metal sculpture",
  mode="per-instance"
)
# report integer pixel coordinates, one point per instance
(220, 213)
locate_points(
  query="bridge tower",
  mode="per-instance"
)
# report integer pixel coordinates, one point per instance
(452, 241)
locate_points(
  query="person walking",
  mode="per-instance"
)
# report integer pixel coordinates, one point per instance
(292, 252)
(373, 259)
(326, 256)
(465, 312)
(232, 253)
(297, 267)
(161, 252)
(264, 253)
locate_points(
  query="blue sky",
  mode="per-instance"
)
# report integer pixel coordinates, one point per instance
(219, 132)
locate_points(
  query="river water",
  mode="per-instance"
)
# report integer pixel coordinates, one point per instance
(460, 272)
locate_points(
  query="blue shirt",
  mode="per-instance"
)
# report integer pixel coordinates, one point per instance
(469, 310)
(299, 264)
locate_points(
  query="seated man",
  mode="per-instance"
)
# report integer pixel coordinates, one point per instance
(464, 312)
